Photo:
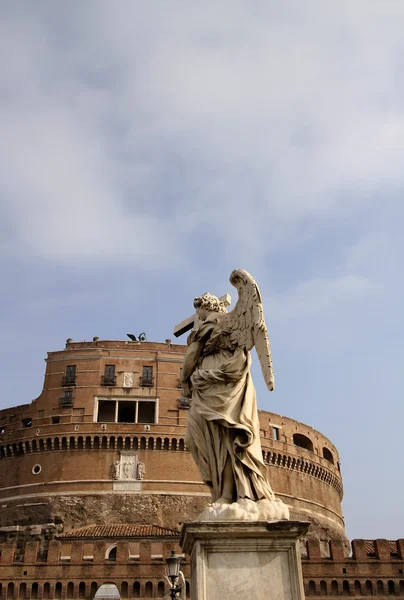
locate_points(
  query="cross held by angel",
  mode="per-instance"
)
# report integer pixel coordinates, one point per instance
(223, 428)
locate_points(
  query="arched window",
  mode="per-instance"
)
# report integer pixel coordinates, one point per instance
(136, 589)
(181, 445)
(150, 443)
(323, 588)
(34, 590)
(127, 443)
(392, 587)
(166, 444)
(58, 590)
(46, 591)
(10, 591)
(64, 443)
(401, 587)
(41, 446)
(345, 588)
(111, 553)
(96, 442)
(187, 589)
(136, 443)
(368, 588)
(119, 443)
(104, 442)
(303, 441)
(93, 589)
(334, 588)
(358, 588)
(124, 589)
(160, 589)
(80, 443)
(49, 444)
(327, 454)
(148, 590)
(380, 587)
(158, 444)
(70, 590)
(312, 588)
(174, 444)
(82, 589)
(23, 591)
(56, 443)
(88, 443)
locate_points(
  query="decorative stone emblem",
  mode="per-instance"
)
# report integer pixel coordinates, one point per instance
(128, 380)
(128, 467)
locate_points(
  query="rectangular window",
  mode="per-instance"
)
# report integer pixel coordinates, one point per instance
(67, 399)
(126, 411)
(157, 550)
(147, 376)
(106, 411)
(109, 375)
(55, 420)
(134, 550)
(70, 375)
(275, 433)
(146, 412)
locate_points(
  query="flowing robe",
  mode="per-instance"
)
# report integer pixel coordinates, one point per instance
(223, 419)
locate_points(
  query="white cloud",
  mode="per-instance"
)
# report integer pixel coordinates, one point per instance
(270, 117)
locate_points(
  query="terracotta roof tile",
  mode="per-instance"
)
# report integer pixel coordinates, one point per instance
(119, 530)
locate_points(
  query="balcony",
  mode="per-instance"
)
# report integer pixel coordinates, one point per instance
(66, 402)
(146, 381)
(69, 380)
(108, 380)
(184, 403)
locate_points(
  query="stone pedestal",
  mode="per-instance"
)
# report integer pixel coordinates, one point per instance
(244, 560)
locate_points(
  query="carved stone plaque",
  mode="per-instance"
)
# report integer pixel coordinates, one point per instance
(128, 380)
(128, 472)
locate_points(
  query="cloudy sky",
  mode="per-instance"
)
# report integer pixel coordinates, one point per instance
(148, 148)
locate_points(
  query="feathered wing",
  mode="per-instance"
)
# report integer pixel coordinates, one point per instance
(246, 322)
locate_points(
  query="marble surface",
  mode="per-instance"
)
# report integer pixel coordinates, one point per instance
(230, 560)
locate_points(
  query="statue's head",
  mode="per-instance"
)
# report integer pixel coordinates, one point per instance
(208, 303)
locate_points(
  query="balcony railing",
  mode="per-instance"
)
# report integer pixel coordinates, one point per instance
(69, 380)
(66, 402)
(108, 380)
(183, 403)
(146, 382)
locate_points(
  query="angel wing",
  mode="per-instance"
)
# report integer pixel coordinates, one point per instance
(246, 322)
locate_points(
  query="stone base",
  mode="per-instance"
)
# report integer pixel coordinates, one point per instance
(127, 486)
(258, 560)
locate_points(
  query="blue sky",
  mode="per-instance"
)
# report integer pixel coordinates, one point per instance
(147, 149)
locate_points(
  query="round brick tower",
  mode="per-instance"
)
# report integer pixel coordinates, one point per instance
(104, 443)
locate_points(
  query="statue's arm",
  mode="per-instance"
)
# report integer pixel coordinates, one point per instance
(191, 358)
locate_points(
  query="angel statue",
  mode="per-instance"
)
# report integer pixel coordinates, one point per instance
(223, 428)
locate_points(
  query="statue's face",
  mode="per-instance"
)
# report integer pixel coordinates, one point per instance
(202, 313)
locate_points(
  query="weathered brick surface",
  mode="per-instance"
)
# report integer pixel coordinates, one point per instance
(56, 475)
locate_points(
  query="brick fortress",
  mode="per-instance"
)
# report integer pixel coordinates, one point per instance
(95, 482)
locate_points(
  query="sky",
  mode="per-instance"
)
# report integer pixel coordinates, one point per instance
(149, 148)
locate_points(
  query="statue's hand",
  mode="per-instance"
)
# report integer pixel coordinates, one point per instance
(186, 389)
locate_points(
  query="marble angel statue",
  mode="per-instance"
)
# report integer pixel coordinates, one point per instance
(223, 428)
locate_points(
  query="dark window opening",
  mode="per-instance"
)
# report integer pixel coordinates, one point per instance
(55, 420)
(112, 554)
(327, 454)
(106, 411)
(70, 376)
(67, 400)
(27, 422)
(275, 433)
(303, 441)
(126, 412)
(147, 376)
(109, 375)
(344, 570)
(146, 412)
(2, 429)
